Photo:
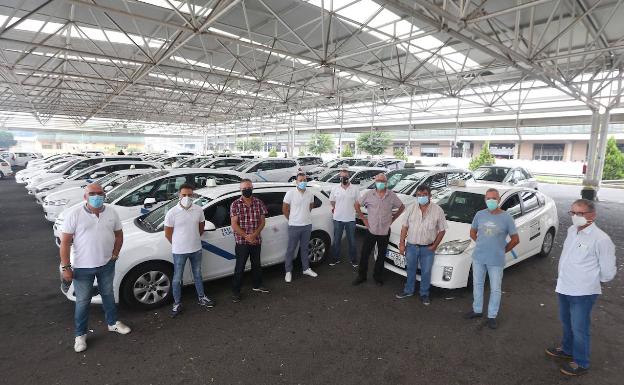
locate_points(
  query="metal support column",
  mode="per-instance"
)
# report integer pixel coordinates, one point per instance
(593, 143)
(602, 147)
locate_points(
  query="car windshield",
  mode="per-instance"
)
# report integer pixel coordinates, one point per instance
(106, 179)
(193, 162)
(333, 176)
(81, 173)
(63, 165)
(132, 184)
(243, 166)
(491, 174)
(401, 182)
(153, 220)
(461, 206)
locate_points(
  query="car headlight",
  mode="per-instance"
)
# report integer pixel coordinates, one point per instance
(453, 247)
(48, 188)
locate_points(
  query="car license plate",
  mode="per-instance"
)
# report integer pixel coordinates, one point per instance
(398, 259)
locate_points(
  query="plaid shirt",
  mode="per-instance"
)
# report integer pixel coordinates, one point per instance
(248, 217)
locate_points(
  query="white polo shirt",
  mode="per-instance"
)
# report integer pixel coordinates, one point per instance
(299, 207)
(185, 225)
(94, 236)
(587, 258)
(344, 198)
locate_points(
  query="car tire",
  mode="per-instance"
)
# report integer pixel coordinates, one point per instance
(547, 243)
(1, 175)
(318, 248)
(158, 275)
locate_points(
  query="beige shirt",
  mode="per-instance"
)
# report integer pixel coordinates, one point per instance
(423, 229)
(379, 210)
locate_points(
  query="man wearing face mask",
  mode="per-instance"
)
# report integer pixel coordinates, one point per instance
(587, 259)
(184, 226)
(297, 207)
(93, 232)
(342, 199)
(424, 226)
(379, 204)
(248, 217)
(490, 229)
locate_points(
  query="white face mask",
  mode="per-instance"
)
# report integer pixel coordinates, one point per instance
(579, 220)
(186, 202)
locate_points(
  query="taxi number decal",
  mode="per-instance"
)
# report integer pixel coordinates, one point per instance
(534, 230)
(225, 231)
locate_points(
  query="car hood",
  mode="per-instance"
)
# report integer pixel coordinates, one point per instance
(65, 193)
(456, 231)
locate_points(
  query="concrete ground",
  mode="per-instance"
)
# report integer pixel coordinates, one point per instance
(313, 331)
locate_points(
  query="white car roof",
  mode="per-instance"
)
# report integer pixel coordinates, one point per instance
(481, 188)
(137, 170)
(364, 168)
(192, 170)
(217, 191)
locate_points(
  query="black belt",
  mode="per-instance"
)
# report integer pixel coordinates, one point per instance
(415, 244)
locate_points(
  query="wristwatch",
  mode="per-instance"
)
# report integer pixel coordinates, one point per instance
(66, 267)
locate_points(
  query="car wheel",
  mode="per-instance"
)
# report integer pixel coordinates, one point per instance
(292, 179)
(547, 243)
(148, 285)
(1, 175)
(318, 247)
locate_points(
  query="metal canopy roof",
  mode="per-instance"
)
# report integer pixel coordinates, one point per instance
(261, 64)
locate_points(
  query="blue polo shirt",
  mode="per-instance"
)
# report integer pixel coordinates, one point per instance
(492, 233)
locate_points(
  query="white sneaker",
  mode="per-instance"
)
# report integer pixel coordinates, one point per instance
(309, 272)
(80, 343)
(119, 327)
(288, 277)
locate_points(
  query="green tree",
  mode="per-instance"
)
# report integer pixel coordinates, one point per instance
(6, 139)
(273, 153)
(347, 152)
(400, 154)
(485, 157)
(614, 162)
(251, 144)
(320, 143)
(374, 142)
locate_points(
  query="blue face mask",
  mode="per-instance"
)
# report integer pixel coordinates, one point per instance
(422, 200)
(492, 204)
(96, 201)
(380, 185)
(302, 185)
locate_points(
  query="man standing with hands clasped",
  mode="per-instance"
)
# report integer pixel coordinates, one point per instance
(248, 218)
(93, 230)
(490, 229)
(379, 204)
(297, 207)
(184, 225)
(424, 227)
(587, 258)
(342, 199)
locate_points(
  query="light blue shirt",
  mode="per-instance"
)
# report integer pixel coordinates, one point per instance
(492, 233)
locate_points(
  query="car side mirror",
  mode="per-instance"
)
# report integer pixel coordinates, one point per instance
(258, 170)
(149, 202)
(209, 226)
(108, 188)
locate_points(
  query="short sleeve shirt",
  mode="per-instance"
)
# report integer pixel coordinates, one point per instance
(344, 199)
(423, 229)
(493, 231)
(379, 210)
(94, 236)
(299, 207)
(185, 223)
(248, 217)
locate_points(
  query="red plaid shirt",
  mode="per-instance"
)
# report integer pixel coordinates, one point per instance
(248, 217)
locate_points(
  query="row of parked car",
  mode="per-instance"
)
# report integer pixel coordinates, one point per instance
(142, 188)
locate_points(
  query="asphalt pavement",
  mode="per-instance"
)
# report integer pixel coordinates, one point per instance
(312, 331)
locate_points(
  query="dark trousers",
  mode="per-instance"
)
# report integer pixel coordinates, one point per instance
(242, 253)
(370, 240)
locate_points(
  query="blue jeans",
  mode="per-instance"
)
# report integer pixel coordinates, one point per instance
(339, 227)
(83, 290)
(179, 261)
(575, 314)
(414, 255)
(495, 273)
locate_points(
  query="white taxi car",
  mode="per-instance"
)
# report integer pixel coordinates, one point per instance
(54, 203)
(144, 270)
(5, 169)
(534, 213)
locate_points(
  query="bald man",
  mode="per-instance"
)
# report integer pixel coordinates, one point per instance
(93, 232)
(380, 204)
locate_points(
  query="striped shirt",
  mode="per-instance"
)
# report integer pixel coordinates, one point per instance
(424, 228)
